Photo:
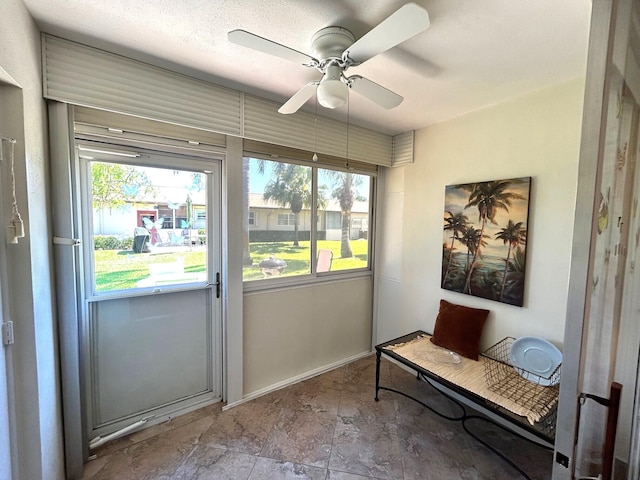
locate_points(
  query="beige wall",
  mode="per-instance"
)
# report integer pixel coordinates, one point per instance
(22, 116)
(291, 332)
(535, 135)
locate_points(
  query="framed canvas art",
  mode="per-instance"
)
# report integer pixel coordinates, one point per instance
(485, 239)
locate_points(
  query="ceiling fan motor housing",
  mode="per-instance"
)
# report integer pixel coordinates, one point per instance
(331, 42)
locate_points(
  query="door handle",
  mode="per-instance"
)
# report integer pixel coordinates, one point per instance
(218, 285)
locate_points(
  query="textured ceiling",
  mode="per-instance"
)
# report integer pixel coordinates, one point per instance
(475, 53)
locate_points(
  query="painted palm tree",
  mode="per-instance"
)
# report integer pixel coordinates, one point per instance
(513, 290)
(290, 187)
(517, 262)
(472, 238)
(456, 224)
(488, 197)
(345, 190)
(514, 235)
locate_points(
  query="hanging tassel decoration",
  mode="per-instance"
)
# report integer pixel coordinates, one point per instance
(15, 229)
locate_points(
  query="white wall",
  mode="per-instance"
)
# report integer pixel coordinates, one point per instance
(536, 135)
(39, 437)
(293, 331)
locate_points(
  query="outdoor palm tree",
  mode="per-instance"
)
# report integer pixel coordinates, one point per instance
(246, 179)
(514, 234)
(290, 187)
(345, 190)
(456, 224)
(246, 187)
(488, 197)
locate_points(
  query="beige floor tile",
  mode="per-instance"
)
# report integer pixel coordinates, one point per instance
(244, 428)
(336, 475)
(326, 428)
(366, 447)
(205, 463)
(156, 458)
(301, 436)
(270, 469)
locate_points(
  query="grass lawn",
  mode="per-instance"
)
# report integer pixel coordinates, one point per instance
(121, 269)
(297, 258)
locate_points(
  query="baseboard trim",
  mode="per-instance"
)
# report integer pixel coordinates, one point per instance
(297, 379)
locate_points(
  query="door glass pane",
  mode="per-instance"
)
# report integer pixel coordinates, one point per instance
(149, 226)
(343, 218)
(277, 219)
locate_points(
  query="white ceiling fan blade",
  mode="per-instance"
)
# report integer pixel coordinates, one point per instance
(250, 40)
(299, 98)
(404, 23)
(374, 92)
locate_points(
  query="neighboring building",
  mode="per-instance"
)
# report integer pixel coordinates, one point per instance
(266, 216)
(121, 221)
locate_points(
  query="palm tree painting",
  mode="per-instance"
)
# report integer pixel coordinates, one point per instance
(485, 239)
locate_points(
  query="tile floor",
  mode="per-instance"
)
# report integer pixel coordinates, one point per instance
(325, 428)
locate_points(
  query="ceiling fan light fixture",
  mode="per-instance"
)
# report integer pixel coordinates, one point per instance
(332, 93)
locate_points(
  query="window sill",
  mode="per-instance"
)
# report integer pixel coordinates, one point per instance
(287, 283)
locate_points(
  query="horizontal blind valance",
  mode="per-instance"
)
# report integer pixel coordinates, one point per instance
(86, 76)
(303, 131)
(403, 149)
(279, 152)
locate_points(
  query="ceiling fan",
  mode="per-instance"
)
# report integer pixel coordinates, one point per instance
(334, 50)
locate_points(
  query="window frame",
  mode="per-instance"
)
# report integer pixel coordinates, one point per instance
(160, 159)
(313, 276)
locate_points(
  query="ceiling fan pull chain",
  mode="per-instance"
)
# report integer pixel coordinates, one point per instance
(315, 134)
(348, 109)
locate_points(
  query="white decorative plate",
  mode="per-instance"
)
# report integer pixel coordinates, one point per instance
(535, 359)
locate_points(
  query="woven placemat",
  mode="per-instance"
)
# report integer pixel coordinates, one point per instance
(468, 374)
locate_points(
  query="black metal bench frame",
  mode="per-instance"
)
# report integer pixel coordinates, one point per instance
(493, 413)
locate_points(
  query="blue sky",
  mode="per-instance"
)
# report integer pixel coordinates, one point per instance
(257, 181)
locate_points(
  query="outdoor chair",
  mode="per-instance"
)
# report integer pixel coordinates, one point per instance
(325, 258)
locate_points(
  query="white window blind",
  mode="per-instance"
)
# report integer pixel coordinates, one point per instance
(86, 76)
(403, 149)
(262, 122)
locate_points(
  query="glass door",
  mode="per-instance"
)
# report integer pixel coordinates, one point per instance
(152, 306)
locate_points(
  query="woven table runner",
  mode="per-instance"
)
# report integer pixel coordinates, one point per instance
(468, 374)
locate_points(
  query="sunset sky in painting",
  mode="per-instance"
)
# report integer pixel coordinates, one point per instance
(456, 199)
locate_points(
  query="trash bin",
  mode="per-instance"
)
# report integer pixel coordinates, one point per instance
(140, 239)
